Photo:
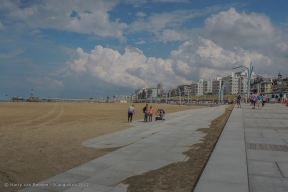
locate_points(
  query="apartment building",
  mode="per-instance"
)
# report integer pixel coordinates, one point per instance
(172, 93)
(216, 85)
(207, 89)
(185, 90)
(231, 84)
(197, 89)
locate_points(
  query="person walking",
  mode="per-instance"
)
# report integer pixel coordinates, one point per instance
(238, 100)
(146, 113)
(259, 98)
(150, 113)
(264, 99)
(277, 100)
(131, 112)
(253, 100)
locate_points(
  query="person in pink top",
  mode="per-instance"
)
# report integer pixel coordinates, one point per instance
(150, 113)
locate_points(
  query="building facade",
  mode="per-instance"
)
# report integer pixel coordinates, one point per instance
(185, 90)
(197, 89)
(216, 85)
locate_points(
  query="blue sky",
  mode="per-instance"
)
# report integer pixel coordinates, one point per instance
(87, 48)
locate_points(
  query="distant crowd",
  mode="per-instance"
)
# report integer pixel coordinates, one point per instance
(260, 99)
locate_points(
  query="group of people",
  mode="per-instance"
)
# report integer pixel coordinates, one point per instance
(148, 113)
(259, 98)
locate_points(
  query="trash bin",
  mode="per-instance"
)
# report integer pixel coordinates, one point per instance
(286, 102)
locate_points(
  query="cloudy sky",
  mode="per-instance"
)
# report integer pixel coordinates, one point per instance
(97, 48)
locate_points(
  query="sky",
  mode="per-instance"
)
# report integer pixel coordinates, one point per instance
(99, 48)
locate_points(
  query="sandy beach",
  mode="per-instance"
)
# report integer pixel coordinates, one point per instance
(40, 140)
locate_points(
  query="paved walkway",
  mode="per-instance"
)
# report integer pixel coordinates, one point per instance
(145, 147)
(251, 154)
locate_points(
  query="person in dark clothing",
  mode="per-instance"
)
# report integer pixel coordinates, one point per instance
(146, 113)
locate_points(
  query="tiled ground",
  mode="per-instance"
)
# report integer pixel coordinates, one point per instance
(255, 146)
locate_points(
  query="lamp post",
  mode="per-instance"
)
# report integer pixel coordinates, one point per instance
(250, 70)
(6, 98)
(179, 92)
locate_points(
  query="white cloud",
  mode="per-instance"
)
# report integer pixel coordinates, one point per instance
(88, 17)
(1, 25)
(140, 42)
(202, 58)
(141, 14)
(131, 69)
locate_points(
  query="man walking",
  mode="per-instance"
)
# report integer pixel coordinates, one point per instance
(238, 100)
(146, 113)
(131, 112)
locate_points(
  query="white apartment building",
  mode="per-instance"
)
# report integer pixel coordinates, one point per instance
(231, 84)
(216, 85)
(197, 89)
(242, 82)
(207, 87)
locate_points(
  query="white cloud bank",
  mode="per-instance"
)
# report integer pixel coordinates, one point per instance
(131, 69)
(228, 39)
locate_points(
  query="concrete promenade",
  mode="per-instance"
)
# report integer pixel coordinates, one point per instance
(145, 147)
(251, 154)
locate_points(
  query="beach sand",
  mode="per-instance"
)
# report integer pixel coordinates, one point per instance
(40, 140)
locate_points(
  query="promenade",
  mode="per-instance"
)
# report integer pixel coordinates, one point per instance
(145, 147)
(251, 154)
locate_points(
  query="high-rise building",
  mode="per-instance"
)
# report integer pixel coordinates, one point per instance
(197, 89)
(216, 85)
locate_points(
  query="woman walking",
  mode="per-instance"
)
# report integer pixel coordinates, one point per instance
(253, 100)
(150, 113)
(259, 97)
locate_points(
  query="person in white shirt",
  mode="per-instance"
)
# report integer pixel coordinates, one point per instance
(131, 112)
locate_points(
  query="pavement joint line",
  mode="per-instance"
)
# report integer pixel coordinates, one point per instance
(279, 169)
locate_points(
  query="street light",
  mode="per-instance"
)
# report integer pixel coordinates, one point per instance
(250, 70)
(6, 98)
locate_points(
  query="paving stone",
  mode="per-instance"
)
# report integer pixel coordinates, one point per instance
(225, 173)
(156, 149)
(109, 177)
(130, 165)
(267, 184)
(258, 135)
(228, 159)
(231, 143)
(263, 168)
(176, 157)
(209, 185)
(274, 141)
(88, 169)
(229, 150)
(157, 163)
(109, 159)
(271, 156)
